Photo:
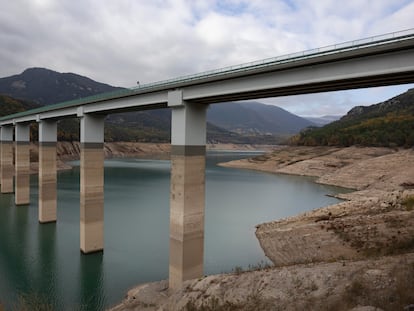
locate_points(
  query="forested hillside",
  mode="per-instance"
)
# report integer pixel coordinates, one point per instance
(9, 105)
(387, 124)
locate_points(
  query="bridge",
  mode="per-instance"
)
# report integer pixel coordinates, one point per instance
(376, 61)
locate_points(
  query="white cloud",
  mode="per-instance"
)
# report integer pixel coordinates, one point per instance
(120, 42)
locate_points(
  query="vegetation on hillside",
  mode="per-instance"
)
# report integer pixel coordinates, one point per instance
(115, 132)
(9, 105)
(388, 124)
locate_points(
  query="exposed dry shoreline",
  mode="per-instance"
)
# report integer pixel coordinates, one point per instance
(356, 253)
(68, 151)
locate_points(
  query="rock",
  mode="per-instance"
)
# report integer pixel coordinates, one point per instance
(322, 286)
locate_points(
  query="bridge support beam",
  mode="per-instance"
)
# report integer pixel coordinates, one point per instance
(6, 159)
(22, 164)
(47, 171)
(187, 197)
(92, 184)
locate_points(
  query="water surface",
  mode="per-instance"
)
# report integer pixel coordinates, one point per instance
(45, 260)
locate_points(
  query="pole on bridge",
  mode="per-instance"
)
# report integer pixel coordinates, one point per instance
(22, 164)
(92, 183)
(47, 171)
(187, 193)
(6, 159)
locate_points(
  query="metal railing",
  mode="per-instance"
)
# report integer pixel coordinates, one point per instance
(326, 50)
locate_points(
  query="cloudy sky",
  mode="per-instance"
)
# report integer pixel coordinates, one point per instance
(122, 41)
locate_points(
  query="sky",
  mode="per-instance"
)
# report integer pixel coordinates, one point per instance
(120, 42)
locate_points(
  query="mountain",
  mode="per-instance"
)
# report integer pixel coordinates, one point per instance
(252, 118)
(249, 122)
(386, 124)
(324, 120)
(401, 104)
(46, 87)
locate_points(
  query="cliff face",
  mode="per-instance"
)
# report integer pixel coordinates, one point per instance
(67, 151)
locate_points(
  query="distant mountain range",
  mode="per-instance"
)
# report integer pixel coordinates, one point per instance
(321, 121)
(247, 122)
(387, 124)
(255, 118)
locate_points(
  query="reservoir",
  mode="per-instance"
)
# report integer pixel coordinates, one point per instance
(44, 263)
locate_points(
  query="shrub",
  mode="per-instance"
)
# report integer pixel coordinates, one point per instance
(408, 202)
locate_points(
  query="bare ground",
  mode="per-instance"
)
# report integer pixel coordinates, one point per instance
(385, 283)
(342, 257)
(68, 151)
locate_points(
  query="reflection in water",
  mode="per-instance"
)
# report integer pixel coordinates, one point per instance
(47, 268)
(45, 260)
(14, 246)
(92, 296)
(8, 264)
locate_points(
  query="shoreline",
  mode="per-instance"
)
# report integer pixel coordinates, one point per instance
(359, 233)
(70, 151)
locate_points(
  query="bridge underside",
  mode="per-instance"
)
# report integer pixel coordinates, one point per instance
(341, 85)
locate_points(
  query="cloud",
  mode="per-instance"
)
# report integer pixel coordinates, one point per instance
(120, 42)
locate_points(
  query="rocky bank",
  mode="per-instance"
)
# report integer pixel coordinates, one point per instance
(377, 219)
(355, 255)
(68, 151)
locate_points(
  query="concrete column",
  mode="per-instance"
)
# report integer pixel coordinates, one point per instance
(47, 171)
(6, 159)
(92, 184)
(22, 164)
(187, 197)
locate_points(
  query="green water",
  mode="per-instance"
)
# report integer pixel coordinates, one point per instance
(43, 262)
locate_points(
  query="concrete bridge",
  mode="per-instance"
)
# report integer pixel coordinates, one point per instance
(376, 61)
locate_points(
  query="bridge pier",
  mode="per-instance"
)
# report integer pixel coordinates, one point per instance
(6, 159)
(47, 171)
(187, 196)
(22, 164)
(92, 183)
